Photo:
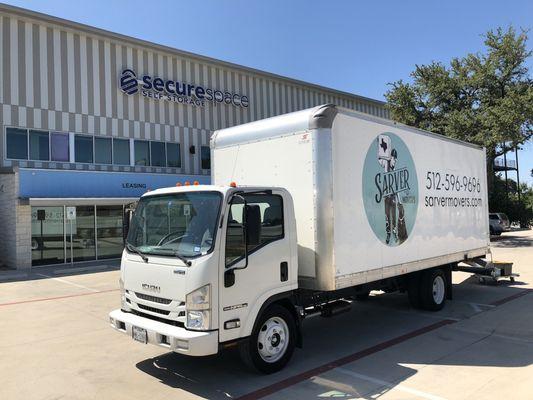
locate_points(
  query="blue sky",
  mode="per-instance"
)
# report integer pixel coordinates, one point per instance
(354, 46)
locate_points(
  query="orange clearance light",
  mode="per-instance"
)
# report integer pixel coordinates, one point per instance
(233, 184)
(196, 183)
(187, 183)
(178, 183)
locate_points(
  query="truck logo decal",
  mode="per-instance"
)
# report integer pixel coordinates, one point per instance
(229, 308)
(151, 288)
(390, 189)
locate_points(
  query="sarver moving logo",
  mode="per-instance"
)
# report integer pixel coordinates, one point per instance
(128, 82)
(390, 189)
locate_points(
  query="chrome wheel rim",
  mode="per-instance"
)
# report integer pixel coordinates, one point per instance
(438, 290)
(273, 339)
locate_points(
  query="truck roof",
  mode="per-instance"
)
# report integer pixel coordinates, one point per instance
(308, 119)
(208, 188)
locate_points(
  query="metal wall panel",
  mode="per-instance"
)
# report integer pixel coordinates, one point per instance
(58, 77)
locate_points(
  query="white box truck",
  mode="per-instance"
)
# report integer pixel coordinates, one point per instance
(307, 212)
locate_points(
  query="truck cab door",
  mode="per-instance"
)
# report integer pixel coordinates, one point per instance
(250, 274)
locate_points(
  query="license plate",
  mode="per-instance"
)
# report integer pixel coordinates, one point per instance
(139, 334)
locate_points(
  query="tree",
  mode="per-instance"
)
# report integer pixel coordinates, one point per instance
(483, 98)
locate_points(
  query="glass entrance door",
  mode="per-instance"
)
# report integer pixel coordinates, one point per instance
(109, 231)
(83, 235)
(47, 235)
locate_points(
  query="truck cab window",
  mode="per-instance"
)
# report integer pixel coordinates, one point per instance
(272, 226)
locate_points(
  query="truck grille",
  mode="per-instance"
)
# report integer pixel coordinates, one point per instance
(153, 299)
(153, 309)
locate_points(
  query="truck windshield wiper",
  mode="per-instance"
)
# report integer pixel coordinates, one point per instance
(135, 250)
(180, 257)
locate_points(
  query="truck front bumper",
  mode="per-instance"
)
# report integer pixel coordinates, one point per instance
(171, 337)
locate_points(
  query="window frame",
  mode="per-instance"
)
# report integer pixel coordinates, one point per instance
(27, 144)
(260, 246)
(94, 149)
(67, 135)
(76, 153)
(179, 154)
(129, 150)
(164, 154)
(149, 161)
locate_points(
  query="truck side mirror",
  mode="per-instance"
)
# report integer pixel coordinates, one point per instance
(126, 219)
(253, 225)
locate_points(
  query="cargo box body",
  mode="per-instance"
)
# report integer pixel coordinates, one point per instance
(373, 199)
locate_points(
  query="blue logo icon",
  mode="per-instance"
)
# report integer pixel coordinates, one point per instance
(128, 82)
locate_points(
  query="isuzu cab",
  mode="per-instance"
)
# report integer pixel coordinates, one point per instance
(306, 213)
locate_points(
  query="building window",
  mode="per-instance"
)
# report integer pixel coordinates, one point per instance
(173, 155)
(59, 144)
(39, 146)
(121, 151)
(206, 157)
(83, 148)
(103, 151)
(17, 143)
(157, 153)
(142, 152)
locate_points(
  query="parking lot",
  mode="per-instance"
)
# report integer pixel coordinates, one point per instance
(56, 343)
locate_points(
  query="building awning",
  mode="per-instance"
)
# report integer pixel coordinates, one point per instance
(89, 186)
(86, 201)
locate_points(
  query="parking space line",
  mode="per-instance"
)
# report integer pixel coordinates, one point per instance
(509, 298)
(57, 297)
(293, 380)
(389, 385)
(68, 282)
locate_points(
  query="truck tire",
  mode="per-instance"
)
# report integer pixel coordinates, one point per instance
(271, 344)
(433, 289)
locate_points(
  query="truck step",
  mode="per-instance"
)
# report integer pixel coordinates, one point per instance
(335, 308)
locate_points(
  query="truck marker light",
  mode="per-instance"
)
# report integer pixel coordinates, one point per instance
(178, 183)
(232, 324)
(233, 185)
(187, 183)
(196, 183)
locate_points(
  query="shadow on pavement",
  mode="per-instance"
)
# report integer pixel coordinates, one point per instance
(369, 324)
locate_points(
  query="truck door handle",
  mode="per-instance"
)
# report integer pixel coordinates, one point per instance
(284, 271)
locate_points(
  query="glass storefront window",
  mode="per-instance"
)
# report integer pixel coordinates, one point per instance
(59, 144)
(17, 143)
(83, 148)
(102, 150)
(83, 240)
(39, 146)
(157, 150)
(47, 235)
(173, 155)
(121, 151)
(109, 231)
(142, 152)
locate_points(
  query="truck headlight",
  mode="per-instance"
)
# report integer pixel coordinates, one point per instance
(198, 320)
(198, 306)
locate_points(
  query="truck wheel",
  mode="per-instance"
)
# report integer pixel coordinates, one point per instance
(271, 344)
(433, 289)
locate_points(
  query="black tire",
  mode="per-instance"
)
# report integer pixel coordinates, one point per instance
(413, 289)
(249, 348)
(362, 296)
(432, 299)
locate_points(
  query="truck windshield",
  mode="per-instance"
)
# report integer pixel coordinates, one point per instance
(181, 224)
